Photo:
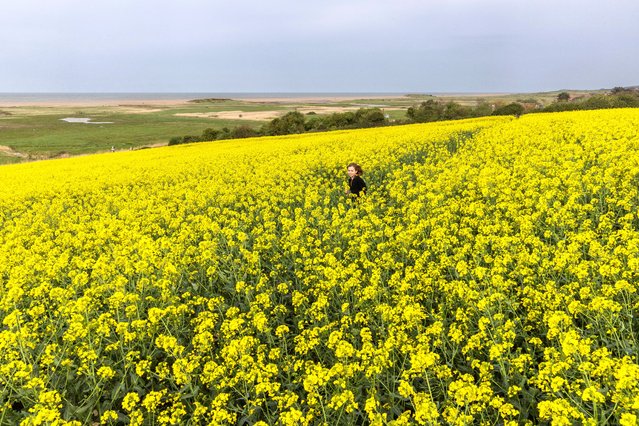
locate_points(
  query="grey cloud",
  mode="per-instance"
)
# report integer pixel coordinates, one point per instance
(286, 45)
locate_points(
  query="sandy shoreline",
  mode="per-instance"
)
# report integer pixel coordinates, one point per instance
(91, 102)
(319, 98)
(8, 103)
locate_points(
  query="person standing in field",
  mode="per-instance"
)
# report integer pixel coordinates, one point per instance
(356, 185)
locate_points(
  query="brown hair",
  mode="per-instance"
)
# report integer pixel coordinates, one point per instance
(357, 168)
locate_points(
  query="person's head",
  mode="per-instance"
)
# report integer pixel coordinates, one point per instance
(354, 169)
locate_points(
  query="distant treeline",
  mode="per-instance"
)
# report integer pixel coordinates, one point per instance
(432, 110)
(619, 97)
(294, 122)
(428, 111)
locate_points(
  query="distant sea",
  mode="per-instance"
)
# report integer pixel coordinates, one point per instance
(62, 97)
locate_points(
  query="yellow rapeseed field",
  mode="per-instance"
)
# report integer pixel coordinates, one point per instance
(488, 277)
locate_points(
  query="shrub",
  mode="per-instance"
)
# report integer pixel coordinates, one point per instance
(514, 108)
(563, 97)
(176, 140)
(290, 123)
(243, 131)
(369, 117)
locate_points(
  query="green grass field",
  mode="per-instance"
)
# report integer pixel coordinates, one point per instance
(39, 132)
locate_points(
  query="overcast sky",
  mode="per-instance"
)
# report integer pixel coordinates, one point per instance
(317, 46)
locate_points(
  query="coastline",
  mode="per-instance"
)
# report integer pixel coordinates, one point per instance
(320, 98)
(8, 100)
(90, 102)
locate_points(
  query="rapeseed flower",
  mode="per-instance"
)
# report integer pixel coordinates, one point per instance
(493, 284)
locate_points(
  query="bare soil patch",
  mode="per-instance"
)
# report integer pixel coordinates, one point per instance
(7, 151)
(139, 109)
(270, 115)
(334, 109)
(235, 115)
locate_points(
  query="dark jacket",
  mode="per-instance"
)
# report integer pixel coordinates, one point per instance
(356, 185)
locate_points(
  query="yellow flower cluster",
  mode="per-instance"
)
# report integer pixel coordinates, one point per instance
(489, 276)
